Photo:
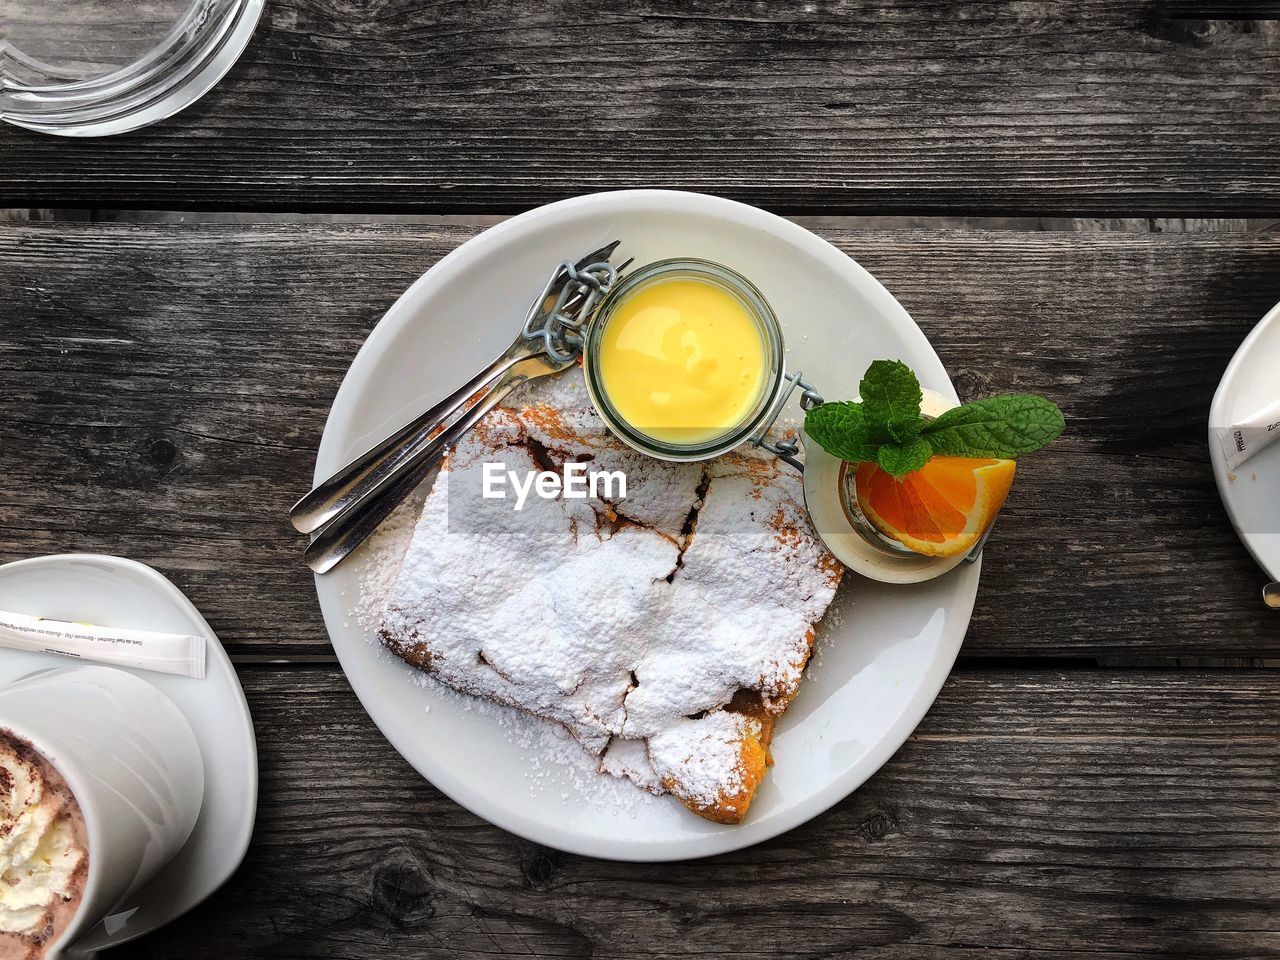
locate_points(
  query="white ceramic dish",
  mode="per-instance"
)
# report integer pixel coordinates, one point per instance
(1251, 381)
(111, 590)
(884, 650)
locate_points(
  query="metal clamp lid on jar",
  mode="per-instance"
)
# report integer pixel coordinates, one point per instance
(568, 318)
(754, 425)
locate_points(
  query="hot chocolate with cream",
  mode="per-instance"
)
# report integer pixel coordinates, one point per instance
(44, 854)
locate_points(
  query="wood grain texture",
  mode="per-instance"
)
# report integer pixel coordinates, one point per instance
(1032, 814)
(1086, 107)
(166, 386)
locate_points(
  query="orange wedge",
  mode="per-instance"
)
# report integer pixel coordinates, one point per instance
(940, 510)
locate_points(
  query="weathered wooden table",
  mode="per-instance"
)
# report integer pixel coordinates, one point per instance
(1073, 198)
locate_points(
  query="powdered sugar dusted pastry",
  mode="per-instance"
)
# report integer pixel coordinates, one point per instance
(667, 630)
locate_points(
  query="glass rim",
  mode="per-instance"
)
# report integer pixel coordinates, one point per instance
(196, 53)
(766, 320)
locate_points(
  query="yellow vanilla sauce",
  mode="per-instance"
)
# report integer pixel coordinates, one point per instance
(682, 361)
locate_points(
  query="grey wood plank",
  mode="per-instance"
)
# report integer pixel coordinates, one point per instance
(1116, 814)
(1094, 107)
(165, 387)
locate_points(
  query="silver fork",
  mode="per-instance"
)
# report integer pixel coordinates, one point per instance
(402, 473)
(347, 507)
(379, 465)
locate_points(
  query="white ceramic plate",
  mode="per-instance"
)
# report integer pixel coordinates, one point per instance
(1252, 381)
(118, 592)
(885, 650)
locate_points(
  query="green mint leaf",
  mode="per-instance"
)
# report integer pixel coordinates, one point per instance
(842, 430)
(999, 427)
(891, 397)
(900, 459)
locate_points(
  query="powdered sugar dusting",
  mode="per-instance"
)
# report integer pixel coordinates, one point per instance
(386, 549)
(617, 622)
(553, 759)
(700, 759)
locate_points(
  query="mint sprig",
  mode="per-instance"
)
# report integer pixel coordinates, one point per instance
(903, 458)
(891, 396)
(1001, 427)
(843, 427)
(886, 427)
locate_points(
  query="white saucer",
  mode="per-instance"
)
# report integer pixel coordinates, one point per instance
(884, 650)
(1251, 381)
(110, 590)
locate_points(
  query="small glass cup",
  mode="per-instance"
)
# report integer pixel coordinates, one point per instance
(81, 69)
(762, 409)
(857, 520)
(831, 497)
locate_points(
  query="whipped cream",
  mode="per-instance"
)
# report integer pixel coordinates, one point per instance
(43, 848)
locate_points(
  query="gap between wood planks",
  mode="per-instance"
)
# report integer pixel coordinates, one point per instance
(1166, 224)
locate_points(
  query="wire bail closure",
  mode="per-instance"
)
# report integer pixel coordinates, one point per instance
(787, 448)
(560, 324)
(559, 316)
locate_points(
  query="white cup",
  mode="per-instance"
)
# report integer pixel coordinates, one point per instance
(129, 756)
